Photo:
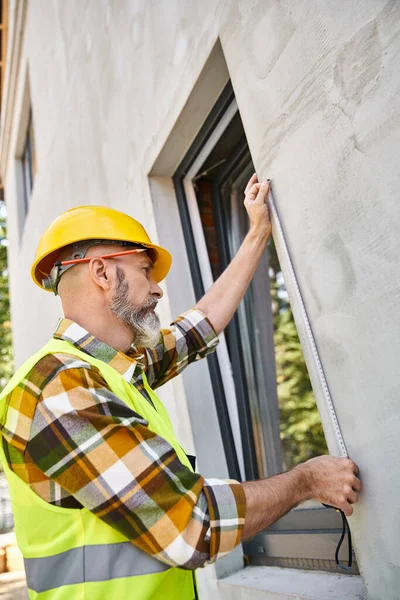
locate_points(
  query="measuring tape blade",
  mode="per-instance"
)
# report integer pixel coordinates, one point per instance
(279, 238)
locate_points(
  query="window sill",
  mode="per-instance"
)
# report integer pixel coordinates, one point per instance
(275, 583)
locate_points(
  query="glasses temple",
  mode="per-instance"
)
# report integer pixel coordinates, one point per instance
(75, 261)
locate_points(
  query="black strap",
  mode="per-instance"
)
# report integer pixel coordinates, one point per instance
(345, 526)
(192, 460)
(350, 546)
(196, 596)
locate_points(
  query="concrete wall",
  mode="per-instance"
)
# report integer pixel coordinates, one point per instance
(318, 86)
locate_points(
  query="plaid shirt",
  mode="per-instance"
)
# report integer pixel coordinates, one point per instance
(78, 445)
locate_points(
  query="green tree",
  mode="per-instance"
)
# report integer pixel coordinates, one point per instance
(300, 425)
(6, 359)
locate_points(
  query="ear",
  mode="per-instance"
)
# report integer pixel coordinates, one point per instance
(102, 272)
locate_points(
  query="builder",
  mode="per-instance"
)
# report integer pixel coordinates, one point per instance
(106, 502)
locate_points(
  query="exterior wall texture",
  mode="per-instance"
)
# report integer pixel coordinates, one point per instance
(318, 87)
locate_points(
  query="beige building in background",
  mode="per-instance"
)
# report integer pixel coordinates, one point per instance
(157, 108)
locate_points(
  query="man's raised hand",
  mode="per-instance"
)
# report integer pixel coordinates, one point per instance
(255, 196)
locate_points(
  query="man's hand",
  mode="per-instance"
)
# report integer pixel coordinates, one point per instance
(221, 301)
(255, 196)
(328, 479)
(332, 481)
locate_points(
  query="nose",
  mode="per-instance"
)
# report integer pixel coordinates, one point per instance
(155, 290)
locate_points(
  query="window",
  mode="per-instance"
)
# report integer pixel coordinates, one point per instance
(266, 408)
(25, 155)
(28, 165)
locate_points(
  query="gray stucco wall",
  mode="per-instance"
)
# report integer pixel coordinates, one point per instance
(318, 87)
(328, 98)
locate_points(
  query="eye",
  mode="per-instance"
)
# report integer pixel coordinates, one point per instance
(147, 270)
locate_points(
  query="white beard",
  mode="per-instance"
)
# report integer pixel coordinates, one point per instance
(142, 320)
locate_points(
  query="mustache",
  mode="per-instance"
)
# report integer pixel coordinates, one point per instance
(149, 304)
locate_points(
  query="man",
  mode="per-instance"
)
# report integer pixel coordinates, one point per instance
(106, 502)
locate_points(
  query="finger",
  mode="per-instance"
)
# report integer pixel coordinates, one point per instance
(252, 180)
(353, 466)
(347, 509)
(356, 484)
(352, 497)
(253, 191)
(262, 192)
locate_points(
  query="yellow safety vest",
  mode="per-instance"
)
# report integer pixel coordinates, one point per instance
(70, 554)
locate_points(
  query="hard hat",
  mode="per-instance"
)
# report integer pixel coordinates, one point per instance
(90, 223)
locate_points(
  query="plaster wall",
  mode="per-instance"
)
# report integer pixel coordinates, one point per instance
(318, 86)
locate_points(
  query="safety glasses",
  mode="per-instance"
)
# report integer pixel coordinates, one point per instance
(51, 282)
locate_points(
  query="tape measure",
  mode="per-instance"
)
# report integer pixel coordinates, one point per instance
(281, 245)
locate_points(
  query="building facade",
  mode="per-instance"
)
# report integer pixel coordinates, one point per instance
(162, 109)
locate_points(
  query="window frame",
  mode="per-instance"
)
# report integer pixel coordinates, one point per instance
(319, 528)
(27, 164)
(197, 278)
(25, 157)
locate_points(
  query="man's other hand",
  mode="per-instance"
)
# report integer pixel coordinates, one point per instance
(255, 196)
(332, 481)
(328, 479)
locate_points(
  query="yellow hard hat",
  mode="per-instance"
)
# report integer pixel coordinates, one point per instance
(94, 223)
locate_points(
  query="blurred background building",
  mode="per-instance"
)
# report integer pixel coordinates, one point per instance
(163, 109)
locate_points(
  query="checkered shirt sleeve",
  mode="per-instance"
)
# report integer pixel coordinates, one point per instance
(190, 338)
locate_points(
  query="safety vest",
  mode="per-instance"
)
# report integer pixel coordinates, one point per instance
(70, 554)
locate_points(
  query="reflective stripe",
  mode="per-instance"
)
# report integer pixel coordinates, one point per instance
(89, 563)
